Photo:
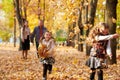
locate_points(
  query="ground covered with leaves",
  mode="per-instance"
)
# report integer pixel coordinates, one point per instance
(69, 65)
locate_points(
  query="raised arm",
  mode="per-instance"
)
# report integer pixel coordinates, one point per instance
(106, 37)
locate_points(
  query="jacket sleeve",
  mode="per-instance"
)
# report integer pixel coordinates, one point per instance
(106, 37)
(51, 51)
(22, 37)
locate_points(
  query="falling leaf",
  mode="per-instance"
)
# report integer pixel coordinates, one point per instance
(114, 20)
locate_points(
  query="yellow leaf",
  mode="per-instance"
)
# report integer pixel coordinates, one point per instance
(75, 61)
(114, 20)
(55, 69)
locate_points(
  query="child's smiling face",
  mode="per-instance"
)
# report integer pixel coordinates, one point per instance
(104, 31)
(104, 28)
(47, 35)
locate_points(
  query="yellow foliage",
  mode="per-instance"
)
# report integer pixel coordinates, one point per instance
(33, 22)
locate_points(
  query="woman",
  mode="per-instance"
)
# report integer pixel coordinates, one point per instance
(25, 34)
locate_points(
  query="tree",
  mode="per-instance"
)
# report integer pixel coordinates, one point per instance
(6, 22)
(80, 25)
(93, 6)
(111, 20)
(19, 17)
(18, 12)
(39, 9)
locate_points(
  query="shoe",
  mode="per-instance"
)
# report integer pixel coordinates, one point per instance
(45, 62)
(44, 78)
(50, 72)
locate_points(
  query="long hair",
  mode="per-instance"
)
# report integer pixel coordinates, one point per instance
(24, 25)
(96, 31)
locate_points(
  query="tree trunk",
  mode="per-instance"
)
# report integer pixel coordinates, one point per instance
(44, 11)
(86, 12)
(80, 25)
(19, 18)
(93, 6)
(18, 12)
(72, 43)
(80, 46)
(14, 25)
(110, 19)
(25, 9)
(39, 12)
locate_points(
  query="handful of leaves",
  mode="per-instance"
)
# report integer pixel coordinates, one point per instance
(42, 50)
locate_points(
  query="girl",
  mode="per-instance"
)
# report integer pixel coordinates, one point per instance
(25, 34)
(46, 52)
(101, 48)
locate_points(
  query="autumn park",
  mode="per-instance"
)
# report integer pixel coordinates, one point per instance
(59, 39)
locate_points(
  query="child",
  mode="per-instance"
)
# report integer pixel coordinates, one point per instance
(46, 52)
(101, 40)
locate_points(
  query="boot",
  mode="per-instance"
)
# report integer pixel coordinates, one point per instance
(44, 78)
(92, 76)
(100, 75)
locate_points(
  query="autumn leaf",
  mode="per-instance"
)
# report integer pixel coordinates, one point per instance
(114, 20)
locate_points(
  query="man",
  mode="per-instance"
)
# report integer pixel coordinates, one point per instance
(38, 33)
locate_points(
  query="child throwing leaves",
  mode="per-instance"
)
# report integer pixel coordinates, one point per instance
(46, 51)
(100, 38)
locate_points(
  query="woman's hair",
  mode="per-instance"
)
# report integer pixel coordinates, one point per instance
(24, 24)
(96, 31)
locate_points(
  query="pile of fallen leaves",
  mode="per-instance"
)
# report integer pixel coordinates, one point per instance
(69, 65)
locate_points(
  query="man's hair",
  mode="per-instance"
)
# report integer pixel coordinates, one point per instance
(40, 20)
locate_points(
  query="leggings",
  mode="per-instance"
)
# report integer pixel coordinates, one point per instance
(45, 68)
(99, 73)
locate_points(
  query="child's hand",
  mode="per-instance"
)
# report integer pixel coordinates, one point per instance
(116, 35)
(94, 54)
(22, 40)
(33, 44)
(110, 56)
(45, 51)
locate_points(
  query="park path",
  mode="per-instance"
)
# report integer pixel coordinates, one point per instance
(69, 65)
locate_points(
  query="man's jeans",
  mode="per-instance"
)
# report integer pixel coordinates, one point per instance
(37, 45)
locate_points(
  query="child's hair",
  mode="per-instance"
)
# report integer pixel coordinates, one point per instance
(96, 31)
(44, 35)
